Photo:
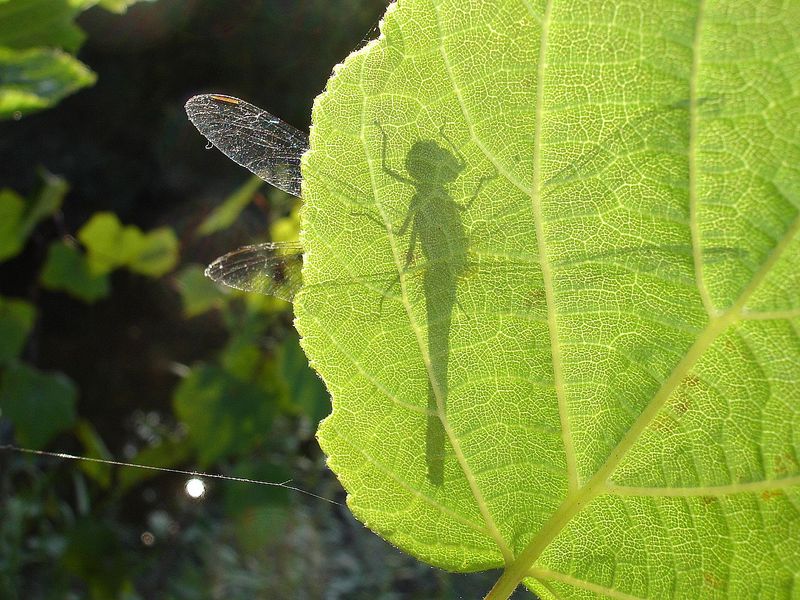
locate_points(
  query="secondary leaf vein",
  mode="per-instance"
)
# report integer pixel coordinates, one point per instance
(544, 263)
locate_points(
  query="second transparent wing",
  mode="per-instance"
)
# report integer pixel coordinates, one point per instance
(251, 137)
(272, 269)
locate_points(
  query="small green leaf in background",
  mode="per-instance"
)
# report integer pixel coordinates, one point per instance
(287, 229)
(225, 415)
(94, 447)
(47, 201)
(242, 358)
(226, 213)
(305, 390)
(38, 78)
(12, 210)
(40, 405)
(16, 322)
(117, 6)
(110, 245)
(66, 269)
(18, 216)
(38, 40)
(168, 453)
(198, 293)
(259, 511)
(158, 253)
(95, 555)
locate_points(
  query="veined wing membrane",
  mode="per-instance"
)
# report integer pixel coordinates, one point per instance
(251, 137)
(272, 149)
(275, 269)
(272, 269)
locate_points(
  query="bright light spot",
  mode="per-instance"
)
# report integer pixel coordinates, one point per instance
(148, 539)
(195, 488)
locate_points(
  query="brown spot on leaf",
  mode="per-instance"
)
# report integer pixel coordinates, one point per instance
(681, 405)
(538, 298)
(785, 464)
(691, 381)
(712, 580)
(664, 422)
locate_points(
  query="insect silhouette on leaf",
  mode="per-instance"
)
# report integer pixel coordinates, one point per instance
(434, 222)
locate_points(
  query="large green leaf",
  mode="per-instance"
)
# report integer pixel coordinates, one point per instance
(583, 362)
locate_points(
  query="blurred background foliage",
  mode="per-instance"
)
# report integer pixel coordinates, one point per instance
(114, 345)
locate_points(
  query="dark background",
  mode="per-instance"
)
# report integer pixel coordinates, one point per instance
(125, 145)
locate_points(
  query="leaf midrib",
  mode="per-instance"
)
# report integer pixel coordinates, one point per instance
(573, 504)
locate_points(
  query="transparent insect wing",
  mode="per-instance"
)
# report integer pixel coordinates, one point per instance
(272, 269)
(251, 137)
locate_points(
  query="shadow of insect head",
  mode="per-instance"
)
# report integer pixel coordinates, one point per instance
(433, 219)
